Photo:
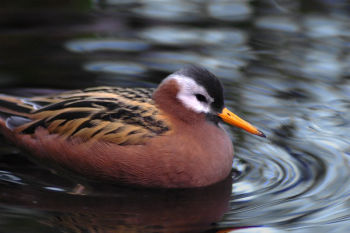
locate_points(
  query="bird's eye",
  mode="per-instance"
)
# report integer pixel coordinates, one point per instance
(201, 98)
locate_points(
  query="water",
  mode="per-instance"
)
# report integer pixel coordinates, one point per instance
(285, 67)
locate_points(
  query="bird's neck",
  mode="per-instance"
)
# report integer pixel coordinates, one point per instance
(165, 97)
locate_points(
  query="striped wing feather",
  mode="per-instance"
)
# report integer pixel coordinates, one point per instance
(125, 116)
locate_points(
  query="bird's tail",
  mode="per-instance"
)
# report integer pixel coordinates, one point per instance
(13, 106)
(14, 112)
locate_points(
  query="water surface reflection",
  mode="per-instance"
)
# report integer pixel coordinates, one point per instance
(106, 208)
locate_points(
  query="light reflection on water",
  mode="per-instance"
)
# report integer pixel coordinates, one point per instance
(284, 65)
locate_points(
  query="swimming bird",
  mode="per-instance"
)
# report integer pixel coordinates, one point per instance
(167, 137)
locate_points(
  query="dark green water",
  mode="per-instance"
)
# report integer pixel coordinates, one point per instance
(285, 65)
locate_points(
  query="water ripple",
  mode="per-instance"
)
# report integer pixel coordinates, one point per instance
(284, 66)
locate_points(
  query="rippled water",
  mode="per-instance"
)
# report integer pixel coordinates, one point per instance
(285, 67)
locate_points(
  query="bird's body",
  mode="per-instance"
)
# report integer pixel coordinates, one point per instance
(164, 137)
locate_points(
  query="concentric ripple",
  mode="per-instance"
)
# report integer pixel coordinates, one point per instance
(282, 186)
(299, 179)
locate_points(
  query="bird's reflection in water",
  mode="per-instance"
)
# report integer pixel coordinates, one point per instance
(107, 208)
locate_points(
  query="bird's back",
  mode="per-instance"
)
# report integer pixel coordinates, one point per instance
(125, 116)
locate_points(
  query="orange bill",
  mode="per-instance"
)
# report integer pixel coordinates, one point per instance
(232, 119)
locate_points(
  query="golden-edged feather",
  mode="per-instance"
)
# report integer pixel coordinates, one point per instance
(125, 116)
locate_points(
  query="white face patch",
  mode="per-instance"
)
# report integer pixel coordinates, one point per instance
(188, 91)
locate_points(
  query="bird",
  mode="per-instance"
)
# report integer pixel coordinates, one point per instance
(171, 136)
